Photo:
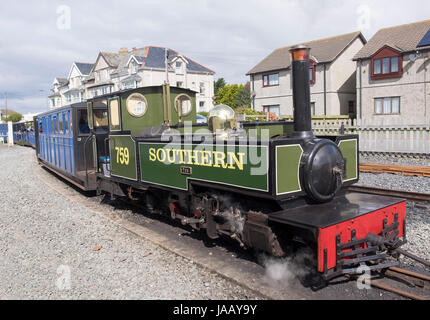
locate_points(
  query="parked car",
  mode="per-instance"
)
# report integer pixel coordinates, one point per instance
(201, 119)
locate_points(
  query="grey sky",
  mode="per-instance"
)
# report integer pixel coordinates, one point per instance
(228, 36)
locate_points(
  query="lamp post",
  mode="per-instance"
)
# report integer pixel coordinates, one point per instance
(5, 102)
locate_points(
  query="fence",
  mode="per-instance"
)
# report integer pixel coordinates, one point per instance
(377, 137)
(3, 132)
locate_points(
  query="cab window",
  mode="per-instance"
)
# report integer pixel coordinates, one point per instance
(83, 122)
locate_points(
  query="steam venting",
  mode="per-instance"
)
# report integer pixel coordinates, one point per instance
(280, 271)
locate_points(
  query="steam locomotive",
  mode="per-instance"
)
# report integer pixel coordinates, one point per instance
(267, 185)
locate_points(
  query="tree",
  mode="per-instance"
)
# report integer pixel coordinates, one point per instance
(14, 117)
(218, 85)
(227, 95)
(243, 97)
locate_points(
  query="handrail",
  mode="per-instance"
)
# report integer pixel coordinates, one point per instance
(85, 159)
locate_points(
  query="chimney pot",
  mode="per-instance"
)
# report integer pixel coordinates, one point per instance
(123, 51)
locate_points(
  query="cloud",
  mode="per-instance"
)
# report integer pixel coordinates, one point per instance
(229, 37)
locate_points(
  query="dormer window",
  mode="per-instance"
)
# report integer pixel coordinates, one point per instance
(178, 67)
(386, 63)
(133, 67)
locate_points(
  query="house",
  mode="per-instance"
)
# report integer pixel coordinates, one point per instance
(393, 81)
(55, 99)
(99, 82)
(78, 74)
(332, 77)
(72, 89)
(146, 66)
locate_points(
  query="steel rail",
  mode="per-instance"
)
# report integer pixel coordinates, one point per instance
(405, 155)
(380, 285)
(406, 170)
(408, 195)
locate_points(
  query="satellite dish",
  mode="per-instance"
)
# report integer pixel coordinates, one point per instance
(412, 57)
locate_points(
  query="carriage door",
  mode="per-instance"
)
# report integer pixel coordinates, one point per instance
(101, 131)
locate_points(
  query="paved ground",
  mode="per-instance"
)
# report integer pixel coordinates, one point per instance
(56, 242)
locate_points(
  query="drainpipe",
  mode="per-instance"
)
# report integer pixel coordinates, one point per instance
(425, 87)
(325, 90)
(361, 100)
(252, 92)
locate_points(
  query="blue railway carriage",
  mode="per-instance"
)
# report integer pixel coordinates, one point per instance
(23, 133)
(64, 144)
(3, 132)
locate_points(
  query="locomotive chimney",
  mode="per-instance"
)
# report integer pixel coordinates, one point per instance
(301, 91)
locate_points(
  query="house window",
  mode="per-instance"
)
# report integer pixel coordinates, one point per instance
(178, 67)
(313, 108)
(275, 109)
(106, 74)
(386, 63)
(387, 105)
(271, 80)
(389, 65)
(202, 88)
(98, 75)
(312, 72)
(351, 109)
(201, 105)
(129, 85)
(179, 84)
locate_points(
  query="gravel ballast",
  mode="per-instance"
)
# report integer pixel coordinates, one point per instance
(54, 248)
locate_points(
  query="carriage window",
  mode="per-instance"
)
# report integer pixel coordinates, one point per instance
(41, 127)
(83, 122)
(114, 115)
(66, 123)
(54, 125)
(183, 104)
(60, 124)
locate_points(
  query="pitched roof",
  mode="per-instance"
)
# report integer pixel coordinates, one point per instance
(84, 68)
(324, 50)
(62, 81)
(113, 59)
(403, 38)
(154, 58)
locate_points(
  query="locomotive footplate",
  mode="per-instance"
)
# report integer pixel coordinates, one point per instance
(352, 230)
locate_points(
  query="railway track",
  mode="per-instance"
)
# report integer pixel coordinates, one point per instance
(408, 195)
(406, 283)
(395, 169)
(407, 155)
(391, 279)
